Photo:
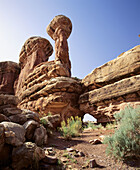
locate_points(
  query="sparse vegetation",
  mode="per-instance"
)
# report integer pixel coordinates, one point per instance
(93, 126)
(125, 142)
(71, 128)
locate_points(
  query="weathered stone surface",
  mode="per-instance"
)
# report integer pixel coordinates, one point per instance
(33, 44)
(125, 66)
(9, 72)
(30, 127)
(8, 100)
(27, 156)
(60, 21)
(19, 118)
(40, 136)
(5, 156)
(35, 51)
(127, 86)
(2, 137)
(59, 29)
(50, 159)
(14, 133)
(58, 95)
(30, 115)
(4, 118)
(51, 121)
(104, 102)
(10, 111)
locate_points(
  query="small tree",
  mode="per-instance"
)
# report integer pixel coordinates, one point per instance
(126, 139)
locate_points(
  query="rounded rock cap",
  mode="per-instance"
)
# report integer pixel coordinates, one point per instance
(31, 45)
(60, 21)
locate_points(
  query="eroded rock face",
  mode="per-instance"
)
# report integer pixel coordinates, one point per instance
(112, 86)
(58, 95)
(35, 51)
(9, 72)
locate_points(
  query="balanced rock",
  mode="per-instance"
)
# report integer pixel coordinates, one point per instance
(60, 29)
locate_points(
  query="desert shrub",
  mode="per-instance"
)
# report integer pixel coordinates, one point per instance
(110, 125)
(125, 142)
(71, 128)
(93, 126)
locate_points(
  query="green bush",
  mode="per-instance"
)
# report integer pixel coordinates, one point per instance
(125, 142)
(71, 128)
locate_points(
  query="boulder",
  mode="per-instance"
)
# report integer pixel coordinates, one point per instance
(14, 133)
(30, 127)
(40, 136)
(9, 72)
(30, 115)
(19, 118)
(27, 156)
(4, 118)
(2, 137)
(8, 100)
(5, 156)
(51, 121)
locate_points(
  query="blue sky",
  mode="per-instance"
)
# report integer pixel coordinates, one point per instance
(102, 29)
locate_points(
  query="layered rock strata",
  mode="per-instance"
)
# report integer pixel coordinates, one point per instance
(111, 87)
(58, 95)
(9, 72)
(34, 51)
(47, 86)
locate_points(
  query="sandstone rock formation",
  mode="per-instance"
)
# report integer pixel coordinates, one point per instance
(58, 95)
(34, 51)
(46, 86)
(112, 86)
(60, 29)
(17, 135)
(9, 72)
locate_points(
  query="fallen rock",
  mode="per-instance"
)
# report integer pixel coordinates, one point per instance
(5, 156)
(14, 133)
(30, 127)
(95, 141)
(50, 159)
(30, 115)
(51, 121)
(40, 136)
(4, 118)
(27, 156)
(2, 136)
(92, 163)
(19, 118)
